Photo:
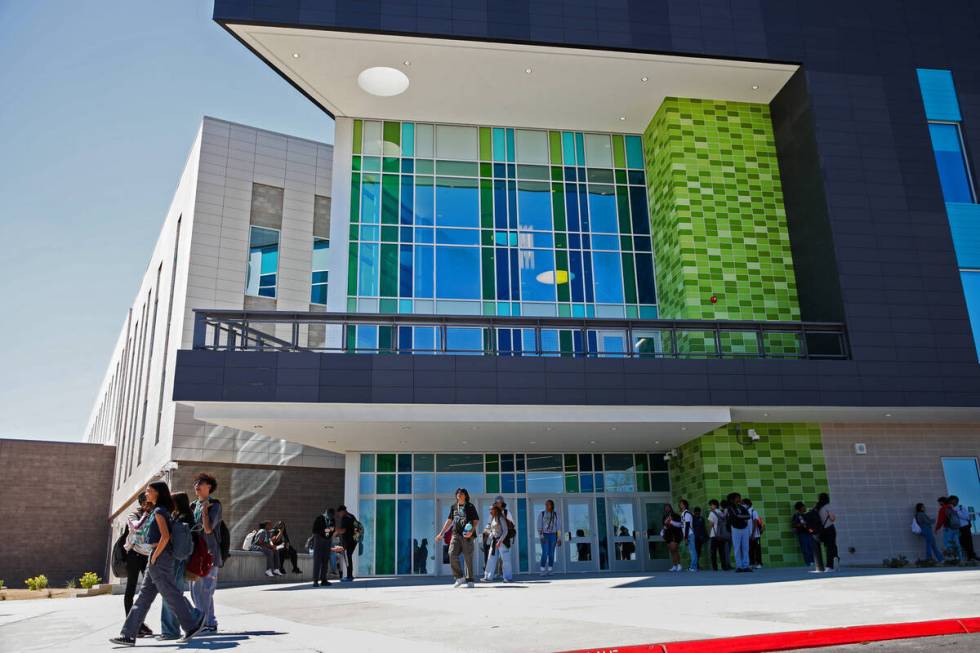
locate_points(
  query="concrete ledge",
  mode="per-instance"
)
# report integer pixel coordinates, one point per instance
(248, 567)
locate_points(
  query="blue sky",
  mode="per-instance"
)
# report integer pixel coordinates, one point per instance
(100, 102)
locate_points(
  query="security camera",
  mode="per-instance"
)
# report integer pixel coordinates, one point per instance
(673, 453)
(667, 456)
(753, 435)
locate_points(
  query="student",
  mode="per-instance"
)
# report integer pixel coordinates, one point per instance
(949, 522)
(169, 626)
(137, 554)
(719, 536)
(755, 540)
(280, 538)
(350, 532)
(331, 521)
(321, 550)
(208, 520)
(798, 525)
(159, 574)
(700, 534)
(549, 526)
(263, 542)
(740, 522)
(461, 522)
(500, 503)
(673, 534)
(924, 522)
(828, 532)
(498, 543)
(687, 525)
(966, 528)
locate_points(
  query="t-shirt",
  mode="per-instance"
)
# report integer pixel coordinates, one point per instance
(712, 524)
(261, 537)
(212, 539)
(688, 520)
(461, 516)
(756, 532)
(963, 514)
(825, 516)
(153, 532)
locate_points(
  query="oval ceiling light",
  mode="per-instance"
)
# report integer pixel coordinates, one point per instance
(382, 81)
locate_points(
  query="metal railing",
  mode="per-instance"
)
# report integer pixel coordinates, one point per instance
(249, 330)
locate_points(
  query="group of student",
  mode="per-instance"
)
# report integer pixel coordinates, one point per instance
(170, 539)
(734, 528)
(336, 535)
(274, 543)
(954, 521)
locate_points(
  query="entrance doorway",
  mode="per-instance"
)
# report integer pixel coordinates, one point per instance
(581, 539)
(623, 534)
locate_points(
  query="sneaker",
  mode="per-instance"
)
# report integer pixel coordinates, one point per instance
(508, 580)
(542, 572)
(816, 571)
(190, 634)
(486, 580)
(268, 572)
(469, 584)
(297, 571)
(459, 582)
(145, 631)
(209, 630)
(276, 572)
(123, 641)
(347, 579)
(168, 637)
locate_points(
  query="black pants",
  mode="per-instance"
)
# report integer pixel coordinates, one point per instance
(755, 551)
(720, 549)
(321, 558)
(287, 553)
(966, 543)
(135, 565)
(829, 540)
(349, 548)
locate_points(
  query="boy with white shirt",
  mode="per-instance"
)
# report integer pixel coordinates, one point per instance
(687, 526)
(755, 539)
(966, 528)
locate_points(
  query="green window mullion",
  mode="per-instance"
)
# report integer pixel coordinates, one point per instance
(389, 199)
(489, 292)
(629, 278)
(384, 549)
(358, 129)
(558, 206)
(623, 210)
(355, 197)
(486, 203)
(486, 140)
(554, 139)
(619, 151)
(561, 263)
(389, 270)
(352, 269)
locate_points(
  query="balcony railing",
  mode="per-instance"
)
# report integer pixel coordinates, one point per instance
(247, 330)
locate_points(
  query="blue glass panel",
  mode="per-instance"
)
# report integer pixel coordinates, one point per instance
(367, 270)
(510, 147)
(599, 485)
(600, 519)
(576, 276)
(953, 175)
(425, 339)
(446, 483)
(508, 484)
(404, 484)
(500, 170)
(423, 270)
(543, 239)
(638, 209)
(424, 483)
(587, 279)
(457, 272)
(521, 483)
(580, 152)
(370, 233)
(583, 207)
(408, 139)
(964, 222)
(963, 481)
(406, 272)
(318, 294)
(571, 207)
(586, 483)
(463, 339)
(457, 237)
(424, 211)
(549, 340)
(534, 206)
(602, 210)
(971, 290)
(503, 274)
(500, 204)
(457, 203)
(367, 337)
(321, 253)
(406, 234)
(515, 279)
(545, 482)
(570, 174)
(404, 536)
(939, 94)
(407, 193)
(522, 542)
(642, 243)
(644, 279)
(512, 204)
(424, 234)
(538, 275)
(366, 483)
(408, 165)
(405, 342)
(608, 277)
(601, 241)
(370, 202)
(634, 152)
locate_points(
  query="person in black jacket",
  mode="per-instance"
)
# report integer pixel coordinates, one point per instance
(321, 550)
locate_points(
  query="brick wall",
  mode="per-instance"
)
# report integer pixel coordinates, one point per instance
(874, 494)
(53, 507)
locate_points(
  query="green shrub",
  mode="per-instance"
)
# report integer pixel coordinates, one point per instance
(2, 586)
(895, 563)
(928, 562)
(71, 584)
(89, 579)
(39, 582)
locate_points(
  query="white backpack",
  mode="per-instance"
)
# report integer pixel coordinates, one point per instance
(916, 529)
(249, 539)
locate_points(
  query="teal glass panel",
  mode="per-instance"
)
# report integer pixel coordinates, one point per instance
(367, 484)
(386, 484)
(544, 462)
(386, 462)
(619, 461)
(634, 152)
(370, 201)
(568, 148)
(499, 145)
(384, 557)
(367, 462)
(939, 95)
(408, 139)
(459, 462)
(405, 552)
(365, 557)
(571, 460)
(424, 462)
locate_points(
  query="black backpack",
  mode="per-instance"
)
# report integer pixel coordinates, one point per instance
(119, 556)
(738, 517)
(224, 541)
(511, 532)
(813, 522)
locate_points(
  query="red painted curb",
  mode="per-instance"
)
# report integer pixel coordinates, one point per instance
(804, 638)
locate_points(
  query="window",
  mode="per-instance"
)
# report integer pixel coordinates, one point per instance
(963, 480)
(263, 262)
(954, 175)
(318, 287)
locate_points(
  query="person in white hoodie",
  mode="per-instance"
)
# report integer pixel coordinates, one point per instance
(498, 545)
(549, 527)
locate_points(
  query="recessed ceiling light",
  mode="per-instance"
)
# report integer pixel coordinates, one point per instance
(755, 87)
(406, 428)
(331, 442)
(528, 71)
(256, 426)
(644, 79)
(383, 81)
(296, 55)
(407, 62)
(622, 117)
(683, 428)
(765, 414)
(549, 428)
(888, 414)
(591, 441)
(532, 442)
(465, 442)
(473, 428)
(328, 427)
(656, 441)
(612, 428)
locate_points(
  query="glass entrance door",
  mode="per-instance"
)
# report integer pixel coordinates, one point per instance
(581, 546)
(537, 507)
(623, 534)
(654, 554)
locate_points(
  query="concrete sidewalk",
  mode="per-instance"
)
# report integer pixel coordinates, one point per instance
(533, 614)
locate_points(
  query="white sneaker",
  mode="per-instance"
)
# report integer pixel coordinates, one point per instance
(548, 572)
(469, 584)
(508, 580)
(276, 572)
(541, 572)
(268, 572)
(486, 580)
(459, 582)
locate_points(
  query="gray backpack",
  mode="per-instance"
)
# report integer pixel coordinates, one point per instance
(953, 518)
(722, 531)
(181, 539)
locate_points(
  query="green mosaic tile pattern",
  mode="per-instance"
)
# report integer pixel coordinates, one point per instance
(785, 466)
(717, 214)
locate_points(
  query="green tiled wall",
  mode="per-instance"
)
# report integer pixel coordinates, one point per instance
(717, 213)
(785, 466)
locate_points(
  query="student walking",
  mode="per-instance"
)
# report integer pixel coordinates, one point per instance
(321, 550)
(948, 521)
(798, 525)
(210, 525)
(499, 537)
(673, 534)
(159, 574)
(549, 526)
(966, 528)
(755, 539)
(687, 526)
(137, 554)
(719, 536)
(169, 626)
(922, 525)
(740, 522)
(461, 522)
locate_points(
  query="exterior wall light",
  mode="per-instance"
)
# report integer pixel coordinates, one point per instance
(383, 81)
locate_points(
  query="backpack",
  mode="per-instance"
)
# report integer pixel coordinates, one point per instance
(200, 562)
(952, 518)
(358, 531)
(181, 540)
(722, 530)
(813, 522)
(916, 529)
(224, 541)
(511, 532)
(119, 557)
(249, 541)
(739, 517)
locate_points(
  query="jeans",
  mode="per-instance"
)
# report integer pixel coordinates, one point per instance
(168, 620)
(721, 549)
(951, 541)
(806, 546)
(160, 580)
(202, 593)
(932, 551)
(548, 543)
(135, 565)
(692, 549)
(740, 541)
(321, 558)
(464, 545)
(271, 557)
(503, 553)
